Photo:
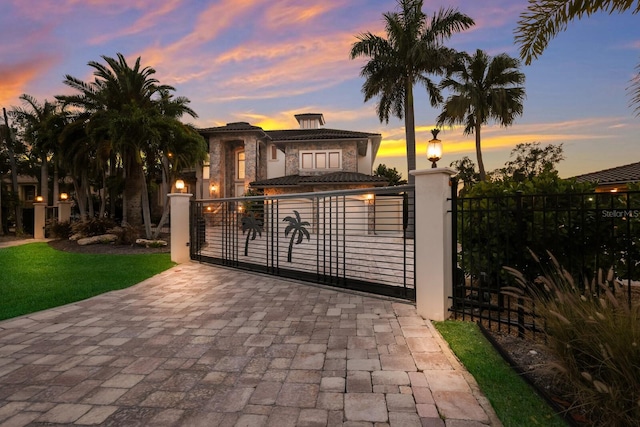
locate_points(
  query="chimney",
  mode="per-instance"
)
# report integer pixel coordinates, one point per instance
(310, 120)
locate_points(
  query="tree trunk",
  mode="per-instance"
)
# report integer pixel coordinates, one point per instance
(44, 178)
(56, 184)
(14, 176)
(80, 199)
(146, 209)
(103, 194)
(87, 191)
(410, 131)
(133, 193)
(483, 175)
(165, 197)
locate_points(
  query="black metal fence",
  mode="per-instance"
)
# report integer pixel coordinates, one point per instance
(586, 233)
(356, 239)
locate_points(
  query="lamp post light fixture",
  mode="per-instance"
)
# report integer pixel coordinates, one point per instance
(179, 185)
(64, 197)
(434, 148)
(39, 199)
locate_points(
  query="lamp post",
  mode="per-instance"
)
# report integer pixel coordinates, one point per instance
(434, 148)
(179, 185)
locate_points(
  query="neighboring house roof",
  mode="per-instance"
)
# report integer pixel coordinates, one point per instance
(618, 175)
(334, 178)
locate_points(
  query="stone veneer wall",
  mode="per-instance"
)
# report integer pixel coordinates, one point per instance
(349, 156)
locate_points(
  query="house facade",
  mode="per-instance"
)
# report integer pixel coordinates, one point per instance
(310, 158)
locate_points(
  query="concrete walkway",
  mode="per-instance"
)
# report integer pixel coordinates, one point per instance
(200, 345)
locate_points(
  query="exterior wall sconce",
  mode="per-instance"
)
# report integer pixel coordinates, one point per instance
(179, 185)
(39, 199)
(434, 148)
(209, 208)
(64, 197)
(212, 189)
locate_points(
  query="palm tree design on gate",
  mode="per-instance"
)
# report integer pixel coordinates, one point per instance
(297, 226)
(253, 225)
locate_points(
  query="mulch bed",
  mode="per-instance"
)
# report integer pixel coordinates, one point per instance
(105, 248)
(535, 363)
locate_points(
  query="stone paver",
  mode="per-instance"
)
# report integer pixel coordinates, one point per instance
(200, 345)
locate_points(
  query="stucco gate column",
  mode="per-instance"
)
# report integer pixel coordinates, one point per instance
(433, 274)
(39, 219)
(180, 227)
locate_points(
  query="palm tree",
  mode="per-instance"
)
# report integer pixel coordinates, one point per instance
(544, 19)
(487, 88)
(297, 226)
(412, 50)
(253, 225)
(130, 109)
(41, 124)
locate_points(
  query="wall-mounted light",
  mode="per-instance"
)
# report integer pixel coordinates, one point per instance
(369, 198)
(213, 188)
(64, 197)
(179, 185)
(209, 208)
(39, 199)
(434, 148)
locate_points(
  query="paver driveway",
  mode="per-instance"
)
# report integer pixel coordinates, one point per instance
(200, 345)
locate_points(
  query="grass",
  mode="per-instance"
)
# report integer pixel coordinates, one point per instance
(35, 277)
(514, 401)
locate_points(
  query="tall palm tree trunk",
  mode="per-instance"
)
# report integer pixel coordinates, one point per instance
(14, 174)
(133, 193)
(410, 130)
(44, 178)
(483, 174)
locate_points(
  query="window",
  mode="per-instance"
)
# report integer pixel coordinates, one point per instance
(273, 152)
(240, 165)
(321, 159)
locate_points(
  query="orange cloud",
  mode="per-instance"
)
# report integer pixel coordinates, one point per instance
(283, 15)
(15, 77)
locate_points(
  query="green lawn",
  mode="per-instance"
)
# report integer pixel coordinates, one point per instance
(514, 401)
(35, 277)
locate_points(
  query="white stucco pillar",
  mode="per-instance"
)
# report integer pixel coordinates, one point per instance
(180, 227)
(433, 242)
(64, 211)
(39, 218)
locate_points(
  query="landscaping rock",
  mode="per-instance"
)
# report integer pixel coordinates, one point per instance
(104, 238)
(151, 243)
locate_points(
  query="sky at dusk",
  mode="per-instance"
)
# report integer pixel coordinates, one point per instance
(262, 61)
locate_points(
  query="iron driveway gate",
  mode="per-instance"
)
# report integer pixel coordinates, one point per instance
(355, 239)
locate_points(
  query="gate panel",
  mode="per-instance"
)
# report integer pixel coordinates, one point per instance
(355, 239)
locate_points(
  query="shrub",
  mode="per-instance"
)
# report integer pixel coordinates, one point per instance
(595, 332)
(59, 230)
(93, 227)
